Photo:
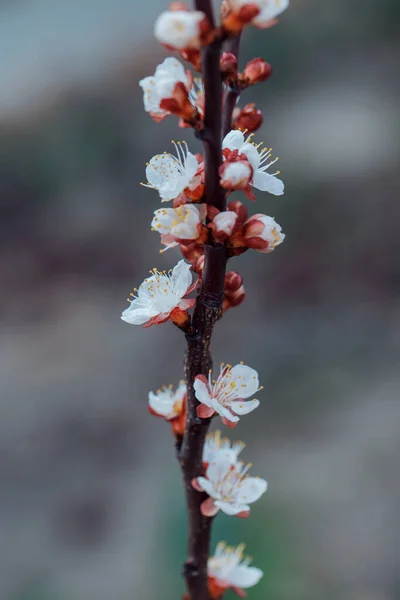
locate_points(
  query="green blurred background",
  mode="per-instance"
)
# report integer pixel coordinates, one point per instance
(91, 504)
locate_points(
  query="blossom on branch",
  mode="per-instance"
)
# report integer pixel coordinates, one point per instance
(161, 297)
(229, 488)
(229, 569)
(171, 405)
(226, 395)
(217, 448)
(262, 13)
(262, 233)
(182, 29)
(237, 147)
(167, 91)
(171, 175)
(256, 71)
(178, 225)
(235, 175)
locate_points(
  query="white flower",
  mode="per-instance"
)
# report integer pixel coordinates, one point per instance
(171, 175)
(179, 29)
(181, 223)
(217, 447)
(261, 180)
(160, 295)
(162, 84)
(168, 403)
(262, 233)
(235, 175)
(269, 9)
(226, 395)
(229, 488)
(230, 569)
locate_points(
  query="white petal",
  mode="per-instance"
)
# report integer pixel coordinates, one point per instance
(271, 10)
(243, 576)
(217, 470)
(136, 317)
(251, 489)
(252, 155)
(231, 508)
(202, 393)
(225, 221)
(224, 412)
(246, 380)
(233, 140)
(181, 278)
(171, 68)
(162, 404)
(191, 165)
(208, 487)
(268, 183)
(244, 408)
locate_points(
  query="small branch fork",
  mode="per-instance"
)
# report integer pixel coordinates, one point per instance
(208, 310)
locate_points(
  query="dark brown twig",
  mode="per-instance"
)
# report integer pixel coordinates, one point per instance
(207, 311)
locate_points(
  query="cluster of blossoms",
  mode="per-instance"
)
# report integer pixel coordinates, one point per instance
(191, 223)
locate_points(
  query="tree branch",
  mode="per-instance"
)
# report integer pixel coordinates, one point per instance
(208, 310)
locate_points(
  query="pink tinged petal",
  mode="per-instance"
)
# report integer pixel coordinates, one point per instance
(232, 509)
(228, 423)
(244, 408)
(233, 140)
(244, 514)
(243, 576)
(162, 406)
(268, 183)
(206, 486)
(196, 486)
(204, 412)
(208, 508)
(251, 489)
(187, 303)
(202, 391)
(192, 287)
(239, 592)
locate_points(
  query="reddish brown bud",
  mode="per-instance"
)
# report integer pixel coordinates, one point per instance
(179, 317)
(179, 104)
(228, 63)
(255, 71)
(192, 251)
(249, 118)
(233, 281)
(198, 266)
(233, 22)
(239, 209)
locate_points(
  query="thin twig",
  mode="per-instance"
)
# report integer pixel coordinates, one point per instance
(207, 311)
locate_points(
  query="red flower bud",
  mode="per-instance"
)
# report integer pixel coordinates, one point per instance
(233, 281)
(255, 71)
(228, 63)
(192, 251)
(239, 209)
(249, 118)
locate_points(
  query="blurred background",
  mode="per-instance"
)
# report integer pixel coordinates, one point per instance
(91, 505)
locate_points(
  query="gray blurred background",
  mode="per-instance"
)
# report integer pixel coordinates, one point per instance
(91, 506)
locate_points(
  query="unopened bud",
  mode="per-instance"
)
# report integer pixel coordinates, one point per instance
(192, 251)
(255, 71)
(233, 281)
(223, 225)
(182, 29)
(240, 209)
(235, 175)
(262, 233)
(228, 63)
(249, 118)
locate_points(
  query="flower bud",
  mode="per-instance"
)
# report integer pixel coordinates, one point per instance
(235, 175)
(237, 14)
(262, 233)
(234, 292)
(198, 266)
(223, 225)
(192, 252)
(240, 209)
(255, 71)
(228, 63)
(249, 118)
(181, 29)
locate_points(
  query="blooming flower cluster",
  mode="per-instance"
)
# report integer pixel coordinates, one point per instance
(196, 223)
